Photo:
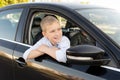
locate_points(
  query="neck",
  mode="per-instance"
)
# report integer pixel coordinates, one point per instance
(54, 44)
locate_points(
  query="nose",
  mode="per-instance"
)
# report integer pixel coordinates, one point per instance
(57, 32)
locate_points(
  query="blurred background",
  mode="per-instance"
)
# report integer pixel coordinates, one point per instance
(107, 3)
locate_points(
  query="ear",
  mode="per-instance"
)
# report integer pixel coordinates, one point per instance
(43, 33)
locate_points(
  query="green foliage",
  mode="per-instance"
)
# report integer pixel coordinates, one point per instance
(84, 2)
(8, 2)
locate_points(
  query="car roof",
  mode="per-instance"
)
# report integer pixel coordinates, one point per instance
(67, 5)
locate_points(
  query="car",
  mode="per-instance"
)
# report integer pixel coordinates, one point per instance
(94, 33)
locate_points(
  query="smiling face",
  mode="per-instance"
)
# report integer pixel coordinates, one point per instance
(52, 31)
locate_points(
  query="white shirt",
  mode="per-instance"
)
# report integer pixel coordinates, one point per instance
(63, 45)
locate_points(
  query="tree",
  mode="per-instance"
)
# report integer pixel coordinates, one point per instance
(8, 2)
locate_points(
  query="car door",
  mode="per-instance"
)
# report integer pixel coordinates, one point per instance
(8, 28)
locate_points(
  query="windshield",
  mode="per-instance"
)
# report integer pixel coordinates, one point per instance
(107, 20)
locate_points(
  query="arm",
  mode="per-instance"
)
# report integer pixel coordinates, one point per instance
(34, 53)
(57, 53)
(42, 49)
(39, 49)
(51, 51)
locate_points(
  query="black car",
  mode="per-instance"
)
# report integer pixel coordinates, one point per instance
(94, 33)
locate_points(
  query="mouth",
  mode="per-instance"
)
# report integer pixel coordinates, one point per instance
(55, 38)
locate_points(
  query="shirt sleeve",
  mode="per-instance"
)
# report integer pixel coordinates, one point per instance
(26, 53)
(61, 53)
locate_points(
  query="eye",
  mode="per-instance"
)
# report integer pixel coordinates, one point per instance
(52, 31)
(59, 29)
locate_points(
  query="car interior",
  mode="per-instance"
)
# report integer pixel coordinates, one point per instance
(36, 32)
(74, 33)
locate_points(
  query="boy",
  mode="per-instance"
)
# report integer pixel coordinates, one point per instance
(52, 44)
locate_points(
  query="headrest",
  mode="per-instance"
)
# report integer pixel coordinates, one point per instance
(69, 24)
(36, 22)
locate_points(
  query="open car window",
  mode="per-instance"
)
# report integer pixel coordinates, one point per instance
(73, 32)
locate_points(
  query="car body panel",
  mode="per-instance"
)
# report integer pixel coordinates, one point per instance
(6, 59)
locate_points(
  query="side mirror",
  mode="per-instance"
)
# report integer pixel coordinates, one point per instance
(86, 55)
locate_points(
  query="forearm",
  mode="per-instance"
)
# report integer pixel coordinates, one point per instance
(51, 51)
(58, 54)
(54, 52)
(34, 54)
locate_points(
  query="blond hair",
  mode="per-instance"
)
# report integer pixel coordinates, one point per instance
(48, 20)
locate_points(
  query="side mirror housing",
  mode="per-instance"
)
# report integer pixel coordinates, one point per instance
(86, 55)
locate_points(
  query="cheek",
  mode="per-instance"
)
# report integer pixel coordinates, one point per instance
(50, 36)
(60, 33)
(46, 34)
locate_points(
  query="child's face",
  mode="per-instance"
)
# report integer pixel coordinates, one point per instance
(53, 33)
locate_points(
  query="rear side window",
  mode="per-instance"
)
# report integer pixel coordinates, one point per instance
(9, 20)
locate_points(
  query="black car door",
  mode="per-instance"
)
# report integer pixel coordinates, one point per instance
(6, 62)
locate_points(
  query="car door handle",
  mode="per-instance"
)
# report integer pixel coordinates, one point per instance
(21, 62)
